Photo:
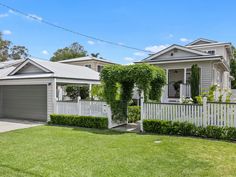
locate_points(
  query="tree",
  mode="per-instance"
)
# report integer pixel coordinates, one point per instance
(4, 48)
(74, 91)
(15, 52)
(95, 55)
(195, 81)
(19, 52)
(75, 50)
(233, 70)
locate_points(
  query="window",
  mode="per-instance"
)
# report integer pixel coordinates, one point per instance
(211, 52)
(99, 68)
(88, 66)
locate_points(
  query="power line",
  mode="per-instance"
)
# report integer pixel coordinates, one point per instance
(70, 30)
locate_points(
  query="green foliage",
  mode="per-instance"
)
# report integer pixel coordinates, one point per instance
(233, 72)
(14, 52)
(195, 81)
(140, 75)
(73, 91)
(18, 52)
(80, 121)
(84, 92)
(188, 129)
(75, 50)
(134, 114)
(98, 91)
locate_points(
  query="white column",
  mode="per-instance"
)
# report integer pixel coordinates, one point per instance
(90, 91)
(185, 75)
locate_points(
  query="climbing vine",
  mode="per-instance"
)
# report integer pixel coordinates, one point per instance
(150, 79)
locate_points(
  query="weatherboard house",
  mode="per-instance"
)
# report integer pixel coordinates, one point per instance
(212, 57)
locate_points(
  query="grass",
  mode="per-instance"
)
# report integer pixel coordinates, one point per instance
(59, 151)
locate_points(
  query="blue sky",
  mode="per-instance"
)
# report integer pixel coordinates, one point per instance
(145, 24)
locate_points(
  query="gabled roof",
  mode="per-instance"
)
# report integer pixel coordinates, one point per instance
(175, 46)
(87, 58)
(50, 69)
(201, 41)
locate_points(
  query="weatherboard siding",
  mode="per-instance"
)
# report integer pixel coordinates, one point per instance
(206, 70)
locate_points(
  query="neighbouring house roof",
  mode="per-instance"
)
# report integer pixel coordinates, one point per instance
(87, 58)
(201, 41)
(10, 63)
(192, 52)
(49, 69)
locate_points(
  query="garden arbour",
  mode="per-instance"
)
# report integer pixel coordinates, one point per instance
(121, 80)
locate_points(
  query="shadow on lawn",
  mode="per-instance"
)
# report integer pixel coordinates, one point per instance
(20, 170)
(99, 131)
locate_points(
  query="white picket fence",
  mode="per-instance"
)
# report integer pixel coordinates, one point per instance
(83, 108)
(217, 114)
(88, 108)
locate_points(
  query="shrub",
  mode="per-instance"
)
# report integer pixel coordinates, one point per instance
(188, 129)
(80, 121)
(134, 114)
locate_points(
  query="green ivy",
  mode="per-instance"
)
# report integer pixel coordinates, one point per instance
(146, 77)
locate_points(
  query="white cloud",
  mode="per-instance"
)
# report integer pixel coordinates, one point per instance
(140, 54)
(6, 32)
(45, 52)
(4, 15)
(91, 42)
(36, 17)
(156, 48)
(129, 59)
(184, 40)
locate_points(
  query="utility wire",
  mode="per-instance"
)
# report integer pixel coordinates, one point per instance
(70, 30)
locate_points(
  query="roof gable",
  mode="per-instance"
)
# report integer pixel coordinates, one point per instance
(29, 67)
(201, 41)
(175, 51)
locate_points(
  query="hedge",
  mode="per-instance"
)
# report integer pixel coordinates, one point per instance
(134, 114)
(80, 121)
(188, 129)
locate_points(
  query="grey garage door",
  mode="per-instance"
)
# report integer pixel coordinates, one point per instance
(25, 102)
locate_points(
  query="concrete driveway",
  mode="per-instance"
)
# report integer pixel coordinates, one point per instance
(12, 124)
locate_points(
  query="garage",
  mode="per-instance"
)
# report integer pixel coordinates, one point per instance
(24, 102)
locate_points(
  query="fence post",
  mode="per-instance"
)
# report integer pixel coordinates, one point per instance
(204, 111)
(79, 106)
(109, 116)
(142, 111)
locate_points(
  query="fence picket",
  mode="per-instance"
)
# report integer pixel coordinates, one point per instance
(217, 114)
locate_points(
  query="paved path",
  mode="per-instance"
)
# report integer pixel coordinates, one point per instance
(130, 127)
(10, 124)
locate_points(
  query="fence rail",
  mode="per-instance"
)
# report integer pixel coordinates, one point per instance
(83, 108)
(217, 114)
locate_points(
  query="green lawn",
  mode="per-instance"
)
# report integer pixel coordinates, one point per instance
(57, 151)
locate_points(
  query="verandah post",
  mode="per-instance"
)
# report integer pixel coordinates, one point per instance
(205, 111)
(142, 111)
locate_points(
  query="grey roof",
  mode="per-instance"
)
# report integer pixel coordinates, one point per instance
(151, 57)
(201, 39)
(55, 69)
(85, 59)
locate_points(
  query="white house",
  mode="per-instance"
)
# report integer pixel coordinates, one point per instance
(212, 57)
(28, 89)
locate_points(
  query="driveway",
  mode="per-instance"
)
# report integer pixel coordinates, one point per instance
(11, 124)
